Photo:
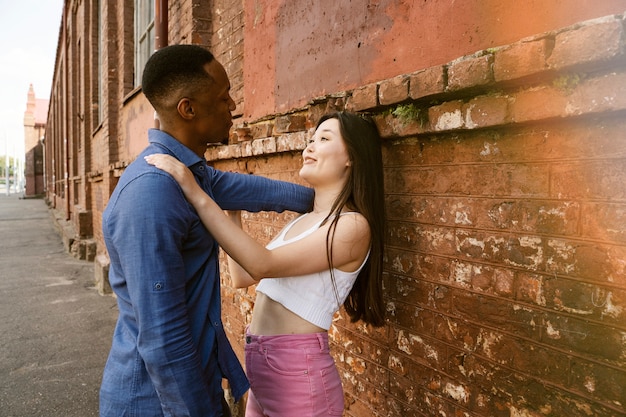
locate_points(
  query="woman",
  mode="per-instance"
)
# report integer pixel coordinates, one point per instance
(327, 257)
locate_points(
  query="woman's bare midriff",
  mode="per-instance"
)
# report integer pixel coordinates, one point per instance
(270, 318)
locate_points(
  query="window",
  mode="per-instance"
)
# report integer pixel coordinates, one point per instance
(144, 35)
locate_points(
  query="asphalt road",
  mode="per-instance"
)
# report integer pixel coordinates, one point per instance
(55, 329)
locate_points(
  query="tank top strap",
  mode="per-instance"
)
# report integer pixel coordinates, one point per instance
(280, 238)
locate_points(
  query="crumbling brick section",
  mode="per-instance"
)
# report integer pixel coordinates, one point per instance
(505, 274)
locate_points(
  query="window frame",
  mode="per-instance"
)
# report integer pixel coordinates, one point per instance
(144, 36)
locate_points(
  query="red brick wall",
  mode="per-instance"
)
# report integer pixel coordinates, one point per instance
(505, 273)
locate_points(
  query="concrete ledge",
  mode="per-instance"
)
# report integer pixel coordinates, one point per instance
(101, 275)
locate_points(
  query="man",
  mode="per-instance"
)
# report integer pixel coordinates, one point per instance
(169, 351)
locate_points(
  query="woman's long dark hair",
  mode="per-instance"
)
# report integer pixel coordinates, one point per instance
(363, 192)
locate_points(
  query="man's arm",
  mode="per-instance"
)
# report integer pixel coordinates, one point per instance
(148, 232)
(234, 191)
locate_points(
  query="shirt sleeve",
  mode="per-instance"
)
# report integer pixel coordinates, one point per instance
(235, 191)
(148, 231)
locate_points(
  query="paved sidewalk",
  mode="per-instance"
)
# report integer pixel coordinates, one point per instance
(55, 330)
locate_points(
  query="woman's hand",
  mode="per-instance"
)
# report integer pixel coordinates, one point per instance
(178, 170)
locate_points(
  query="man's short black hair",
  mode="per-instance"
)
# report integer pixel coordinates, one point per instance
(171, 69)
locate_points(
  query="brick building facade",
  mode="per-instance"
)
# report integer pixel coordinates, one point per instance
(34, 129)
(505, 162)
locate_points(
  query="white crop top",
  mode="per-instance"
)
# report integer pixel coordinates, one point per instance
(312, 296)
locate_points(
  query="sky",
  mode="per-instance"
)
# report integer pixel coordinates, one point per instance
(29, 31)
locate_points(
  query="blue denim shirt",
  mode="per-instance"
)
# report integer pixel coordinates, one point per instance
(169, 351)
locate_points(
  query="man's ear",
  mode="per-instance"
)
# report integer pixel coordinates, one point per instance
(185, 108)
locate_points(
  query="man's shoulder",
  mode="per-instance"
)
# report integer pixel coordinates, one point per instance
(143, 183)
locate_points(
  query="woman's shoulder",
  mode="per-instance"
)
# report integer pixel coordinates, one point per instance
(353, 215)
(353, 220)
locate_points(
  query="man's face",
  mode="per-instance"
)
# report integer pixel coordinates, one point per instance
(213, 106)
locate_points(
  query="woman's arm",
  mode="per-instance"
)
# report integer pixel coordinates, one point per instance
(304, 256)
(239, 276)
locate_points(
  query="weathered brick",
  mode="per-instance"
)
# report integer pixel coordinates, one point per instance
(394, 407)
(522, 180)
(589, 339)
(436, 240)
(529, 288)
(503, 281)
(291, 142)
(246, 149)
(261, 130)
(604, 221)
(410, 390)
(473, 71)
(403, 234)
(522, 59)
(602, 94)
(463, 336)
(217, 152)
(394, 90)
(363, 98)
(601, 382)
(243, 133)
(427, 82)
(602, 179)
(540, 103)
(582, 299)
(412, 317)
(234, 151)
(511, 320)
(478, 372)
(593, 262)
(486, 111)
(447, 116)
(264, 146)
(390, 126)
(441, 402)
(545, 364)
(378, 335)
(357, 406)
(354, 407)
(596, 41)
(289, 123)
(539, 216)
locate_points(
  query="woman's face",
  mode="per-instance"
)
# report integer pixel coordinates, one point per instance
(325, 159)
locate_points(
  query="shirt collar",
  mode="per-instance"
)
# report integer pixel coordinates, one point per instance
(177, 149)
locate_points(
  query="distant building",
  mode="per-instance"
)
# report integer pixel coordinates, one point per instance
(34, 128)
